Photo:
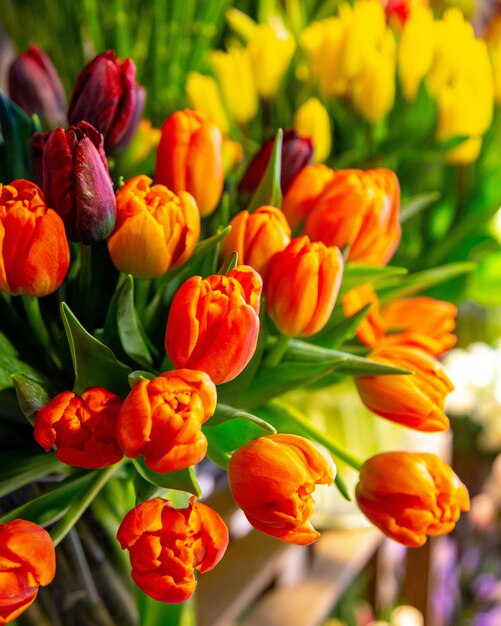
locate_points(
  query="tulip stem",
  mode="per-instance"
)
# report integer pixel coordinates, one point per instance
(85, 276)
(277, 352)
(34, 316)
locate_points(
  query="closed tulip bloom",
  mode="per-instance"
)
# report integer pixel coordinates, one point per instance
(360, 209)
(161, 419)
(373, 327)
(156, 230)
(304, 191)
(302, 286)
(77, 183)
(35, 86)
(27, 562)
(411, 496)
(272, 480)
(413, 400)
(213, 323)
(166, 546)
(83, 428)
(189, 158)
(416, 50)
(257, 236)
(204, 96)
(297, 153)
(106, 96)
(423, 322)
(312, 120)
(34, 251)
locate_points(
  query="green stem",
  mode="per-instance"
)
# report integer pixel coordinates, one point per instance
(278, 351)
(34, 316)
(76, 510)
(142, 289)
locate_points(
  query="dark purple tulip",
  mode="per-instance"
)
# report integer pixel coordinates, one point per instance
(77, 184)
(106, 96)
(297, 152)
(35, 86)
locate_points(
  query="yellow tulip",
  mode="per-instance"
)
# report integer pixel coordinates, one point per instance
(416, 49)
(204, 96)
(235, 75)
(312, 120)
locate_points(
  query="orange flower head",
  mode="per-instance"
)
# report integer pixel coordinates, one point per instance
(302, 286)
(156, 230)
(257, 236)
(304, 191)
(27, 561)
(167, 545)
(213, 323)
(83, 428)
(189, 158)
(360, 209)
(371, 329)
(410, 496)
(272, 480)
(425, 323)
(34, 251)
(161, 419)
(413, 400)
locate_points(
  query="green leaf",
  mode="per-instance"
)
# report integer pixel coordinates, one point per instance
(230, 263)
(9, 365)
(207, 245)
(31, 395)
(184, 480)
(93, 362)
(23, 467)
(228, 436)
(269, 192)
(16, 135)
(224, 413)
(484, 285)
(137, 375)
(337, 334)
(341, 486)
(355, 275)
(416, 204)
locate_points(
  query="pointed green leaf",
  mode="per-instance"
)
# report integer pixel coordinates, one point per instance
(17, 132)
(10, 364)
(93, 362)
(184, 480)
(137, 375)
(355, 275)
(416, 204)
(23, 467)
(230, 263)
(31, 395)
(334, 336)
(341, 486)
(225, 413)
(207, 245)
(269, 192)
(228, 436)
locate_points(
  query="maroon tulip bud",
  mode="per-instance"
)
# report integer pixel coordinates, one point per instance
(297, 152)
(77, 184)
(35, 86)
(106, 96)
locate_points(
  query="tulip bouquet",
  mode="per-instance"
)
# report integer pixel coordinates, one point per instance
(158, 301)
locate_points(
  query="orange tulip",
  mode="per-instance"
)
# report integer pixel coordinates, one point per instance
(304, 191)
(167, 545)
(256, 237)
(414, 400)
(34, 251)
(161, 420)
(373, 327)
(84, 428)
(352, 207)
(272, 479)
(423, 322)
(213, 323)
(410, 496)
(302, 286)
(189, 158)
(27, 561)
(155, 230)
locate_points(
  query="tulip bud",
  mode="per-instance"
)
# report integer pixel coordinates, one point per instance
(106, 95)
(423, 323)
(161, 419)
(272, 479)
(373, 327)
(167, 545)
(304, 192)
(204, 96)
(34, 252)
(312, 120)
(410, 496)
(27, 562)
(213, 323)
(302, 286)
(77, 183)
(83, 428)
(35, 86)
(189, 158)
(414, 400)
(155, 229)
(256, 237)
(360, 209)
(297, 152)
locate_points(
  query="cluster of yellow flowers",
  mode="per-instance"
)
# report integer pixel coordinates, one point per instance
(361, 56)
